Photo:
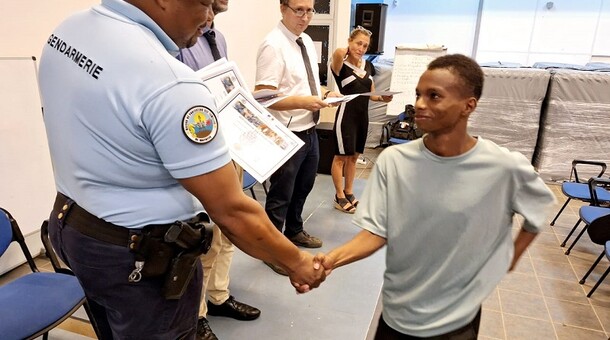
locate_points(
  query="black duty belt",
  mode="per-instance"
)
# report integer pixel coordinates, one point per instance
(88, 224)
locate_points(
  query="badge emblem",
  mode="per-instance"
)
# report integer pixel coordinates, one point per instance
(200, 125)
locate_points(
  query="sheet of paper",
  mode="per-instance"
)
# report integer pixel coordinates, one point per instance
(380, 93)
(257, 141)
(221, 78)
(339, 100)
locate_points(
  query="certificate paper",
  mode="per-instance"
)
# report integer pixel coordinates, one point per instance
(257, 141)
(221, 78)
(339, 100)
(380, 93)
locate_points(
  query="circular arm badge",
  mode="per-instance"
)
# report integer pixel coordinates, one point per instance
(199, 124)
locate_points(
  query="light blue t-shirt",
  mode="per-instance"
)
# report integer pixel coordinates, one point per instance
(115, 103)
(447, 221)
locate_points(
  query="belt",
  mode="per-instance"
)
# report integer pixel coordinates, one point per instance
(306, 131)
(88, 224)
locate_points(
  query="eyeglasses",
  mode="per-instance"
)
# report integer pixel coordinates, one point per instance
(363, 30)
(301, 12)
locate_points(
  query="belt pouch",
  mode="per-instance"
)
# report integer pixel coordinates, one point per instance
(156, 254)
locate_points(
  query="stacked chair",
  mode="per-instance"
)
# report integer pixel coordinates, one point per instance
(578, 189)
(607, 253)
(37, 302)
(597, 221)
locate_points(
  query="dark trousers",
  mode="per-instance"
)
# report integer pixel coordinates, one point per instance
(124, 310)
(468, 332)
(291, 184)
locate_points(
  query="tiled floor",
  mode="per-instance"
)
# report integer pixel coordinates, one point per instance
(541, 299)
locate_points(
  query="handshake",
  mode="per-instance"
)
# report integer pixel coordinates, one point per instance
(311, 271)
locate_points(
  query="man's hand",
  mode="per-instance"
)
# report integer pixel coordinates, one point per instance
(386, 99)
(307, 274)
(326, 261)
(312, 103)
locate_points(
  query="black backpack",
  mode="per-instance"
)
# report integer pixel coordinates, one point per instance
(402, 127)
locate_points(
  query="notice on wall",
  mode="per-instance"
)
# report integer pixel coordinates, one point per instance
(410, 61)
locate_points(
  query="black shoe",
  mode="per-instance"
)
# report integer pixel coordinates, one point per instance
(204, 332)
(234, 309)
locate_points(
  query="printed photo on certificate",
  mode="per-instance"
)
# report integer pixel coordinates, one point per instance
(221, 78)
(257, 141)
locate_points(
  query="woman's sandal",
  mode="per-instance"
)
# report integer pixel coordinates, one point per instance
(352, 199)
(344, 205)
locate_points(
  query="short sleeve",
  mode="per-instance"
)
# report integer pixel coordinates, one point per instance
(372, 213)
(532, 198)
(269, 66)
(163, 119)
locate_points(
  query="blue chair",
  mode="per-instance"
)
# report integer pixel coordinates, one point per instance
(250, 182)
(599, 232)
(579, 190)
(34, 304)
(590, 213)
(603, 277)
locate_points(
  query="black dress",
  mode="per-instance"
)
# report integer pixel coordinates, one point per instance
(352, 118)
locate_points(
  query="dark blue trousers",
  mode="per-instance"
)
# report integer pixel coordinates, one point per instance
(291, 184)
(124, 310)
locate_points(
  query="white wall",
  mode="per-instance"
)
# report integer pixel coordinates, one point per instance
(25, 30)
(526, 31)
(25, 25)
(244, 26)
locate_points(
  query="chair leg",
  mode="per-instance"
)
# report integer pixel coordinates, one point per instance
(563, 244)
(576, 240)
(598, 282)
(265, 187)
(561, 210)
(584, 278)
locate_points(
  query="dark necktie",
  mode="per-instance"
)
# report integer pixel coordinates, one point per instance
(210, 36)
(312, 83)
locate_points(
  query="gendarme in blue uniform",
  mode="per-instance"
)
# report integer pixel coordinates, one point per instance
(125, 119)
(115, 120)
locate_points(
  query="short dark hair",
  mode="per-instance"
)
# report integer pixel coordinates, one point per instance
(465, 68)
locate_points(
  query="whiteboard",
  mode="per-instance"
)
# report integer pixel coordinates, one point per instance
(27, 187)
(409, 64)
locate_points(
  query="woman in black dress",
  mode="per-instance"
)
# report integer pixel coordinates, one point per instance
(353, 75)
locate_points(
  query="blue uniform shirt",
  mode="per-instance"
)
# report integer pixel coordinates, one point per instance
(125, 118)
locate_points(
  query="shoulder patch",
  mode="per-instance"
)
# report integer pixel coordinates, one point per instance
(200, 124)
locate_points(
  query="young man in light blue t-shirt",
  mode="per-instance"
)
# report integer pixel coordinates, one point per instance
(444, 206)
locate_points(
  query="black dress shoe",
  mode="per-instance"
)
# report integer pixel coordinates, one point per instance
(234, 309)
(204, 332)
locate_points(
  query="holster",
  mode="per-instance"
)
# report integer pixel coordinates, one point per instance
(175, 253)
